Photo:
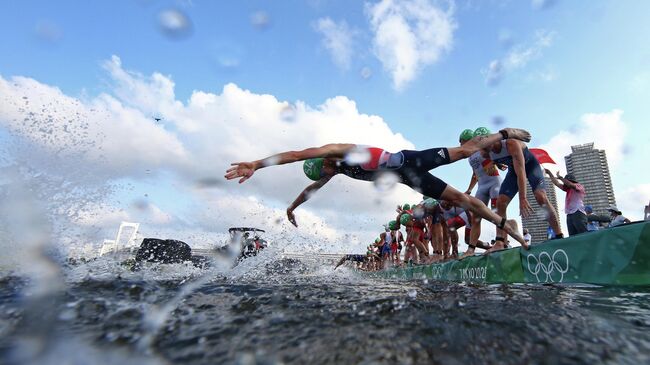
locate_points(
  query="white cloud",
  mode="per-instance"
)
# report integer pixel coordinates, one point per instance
(87, 144)
(607, 131)
(518, 57)
(409, 35)
(337, 39)
(632, 201)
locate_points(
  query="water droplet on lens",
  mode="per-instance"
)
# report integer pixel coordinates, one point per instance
(498, 121)
(208, 182)
(366, 73)
(271, 161)
(386, 181)
(357, 156)
(288, 113)
(48, 32)
(418, 212)
(174, 24)
(627, 149)
(412, 293)
(141, 204)
(260, 20)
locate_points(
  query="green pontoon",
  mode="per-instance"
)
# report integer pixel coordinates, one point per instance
(613, 256)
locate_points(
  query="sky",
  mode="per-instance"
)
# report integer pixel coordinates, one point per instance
(81, 84)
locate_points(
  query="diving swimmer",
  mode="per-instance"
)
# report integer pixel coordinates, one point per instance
(412, 167)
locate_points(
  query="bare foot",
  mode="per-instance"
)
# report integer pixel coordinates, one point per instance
(516, 133)
(470, 252)
(513, 231)
(498, 246)
(483, 245)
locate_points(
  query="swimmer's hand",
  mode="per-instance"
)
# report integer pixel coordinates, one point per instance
(525, 210)
(291, 217)
(240, 169)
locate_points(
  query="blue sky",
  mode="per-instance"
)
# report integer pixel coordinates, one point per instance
(598, 51)
(553, 63)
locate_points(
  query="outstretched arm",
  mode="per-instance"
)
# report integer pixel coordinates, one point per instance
(244, 170)
(515, 150)
(472, 183)
(341, 261)
(554, 180)
(304, 196)
(567, 183)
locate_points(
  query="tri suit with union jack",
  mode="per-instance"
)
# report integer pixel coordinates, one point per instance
(412, 167)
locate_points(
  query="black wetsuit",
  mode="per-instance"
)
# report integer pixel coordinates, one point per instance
(355, 258)
(412, 167)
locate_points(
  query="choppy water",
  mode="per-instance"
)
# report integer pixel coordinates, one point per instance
(268, 313)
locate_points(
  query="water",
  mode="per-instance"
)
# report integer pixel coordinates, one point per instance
(271, 311)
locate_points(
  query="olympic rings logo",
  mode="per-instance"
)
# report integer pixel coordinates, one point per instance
(550, 265)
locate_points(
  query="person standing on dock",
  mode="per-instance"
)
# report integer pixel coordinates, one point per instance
(617, 217)
(522, 166)
(486, 174)
(576, 217)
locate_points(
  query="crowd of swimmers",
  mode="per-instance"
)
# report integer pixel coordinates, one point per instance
(431, 225)
(431, 235)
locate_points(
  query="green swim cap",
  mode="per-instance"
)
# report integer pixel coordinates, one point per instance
(430, 203)
(481, 131)
(377, 240)
(466, 135)
(406, 207)
(405, 219)
(313, 167)
(392, 225)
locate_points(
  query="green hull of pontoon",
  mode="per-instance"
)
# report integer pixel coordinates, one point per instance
(614, 256)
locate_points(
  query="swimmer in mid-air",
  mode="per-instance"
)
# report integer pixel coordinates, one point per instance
(412, 167)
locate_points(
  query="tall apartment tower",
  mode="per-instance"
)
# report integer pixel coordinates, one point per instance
(590, 168)
(537, 223)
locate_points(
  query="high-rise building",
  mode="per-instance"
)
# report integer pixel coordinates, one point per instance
(590, 168)
(537, 223)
